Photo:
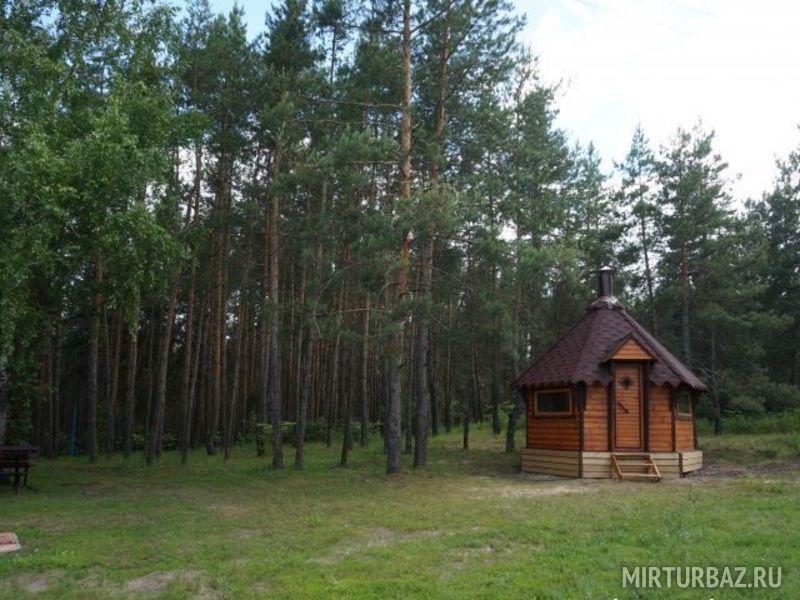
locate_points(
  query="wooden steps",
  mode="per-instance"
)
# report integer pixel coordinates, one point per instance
(634, 466)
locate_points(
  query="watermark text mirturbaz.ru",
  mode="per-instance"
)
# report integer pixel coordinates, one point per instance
(650, 577)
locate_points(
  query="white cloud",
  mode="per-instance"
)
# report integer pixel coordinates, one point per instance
(664, 63)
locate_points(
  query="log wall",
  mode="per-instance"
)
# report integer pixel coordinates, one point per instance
(552, 433)
(684, 433)
(631, 350)
(595, 424)
(563, 433)
(660, 419)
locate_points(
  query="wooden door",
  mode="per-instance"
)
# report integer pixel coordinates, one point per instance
(628, 406)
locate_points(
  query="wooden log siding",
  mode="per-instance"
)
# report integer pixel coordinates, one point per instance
(553, 433)
(597, 465)
(691, 461)
(563, 433)
(632, 350)
(660, 421)
(595, 426)
(551, 462)
(684, 433)
(646, 405)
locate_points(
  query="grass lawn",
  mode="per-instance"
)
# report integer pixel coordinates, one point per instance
(467, 526)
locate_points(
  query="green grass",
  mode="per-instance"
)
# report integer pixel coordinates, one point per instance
(751, 448)
(467, 526)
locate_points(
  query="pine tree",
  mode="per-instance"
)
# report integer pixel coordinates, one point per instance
(695, 210)
(637, 191)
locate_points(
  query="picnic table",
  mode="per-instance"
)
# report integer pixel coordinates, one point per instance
(15, 462)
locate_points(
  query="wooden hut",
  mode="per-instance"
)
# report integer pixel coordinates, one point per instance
(608, 400)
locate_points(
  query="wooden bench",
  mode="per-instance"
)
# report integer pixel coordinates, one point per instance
(15, 461)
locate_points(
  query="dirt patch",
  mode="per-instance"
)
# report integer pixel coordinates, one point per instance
(245, 534)
(36, 583)
(229, 510)
(741, 470)
(527, 488)
(96, 488)
(152, 582)
(461, 559)
(52, 525)
(158, 581)
(532, 492)
(378, 536)
(372, 537)
(94, 580)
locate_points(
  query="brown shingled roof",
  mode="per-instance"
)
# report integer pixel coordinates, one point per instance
(582, 353)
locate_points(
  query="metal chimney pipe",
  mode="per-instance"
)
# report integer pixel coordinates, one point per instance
(605, 282)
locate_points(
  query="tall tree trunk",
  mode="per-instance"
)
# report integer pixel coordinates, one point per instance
(347, 435)
(230, 425)
(333, 396)
(311, 335)
(94, 350)
(513, 419)
(263, 399)
(4, 384)
(448, 372)
(715, 399)
(218, 322)
(297, 345)
(476, 411)
(394, 372)
(422, 391)
(203, 378)
(150, 378)
(410, 414)
(116, 345)
(231, 416)
(302, 416)
(276, 422)
(364, 378)
(216, 333)
(648, 276)
(465, 436)
(434, 392)
(495, 392)
(189, 370)
(91, 405)
(192, 210)
(157, 417)
(685, 331)
(130, 385)
(516, 352)
(421, 363)
(186, 367)
(106, 344)
(54, 424)
(187, 407)
(396, 345)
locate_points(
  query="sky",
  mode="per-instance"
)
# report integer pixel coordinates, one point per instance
(734, 65)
